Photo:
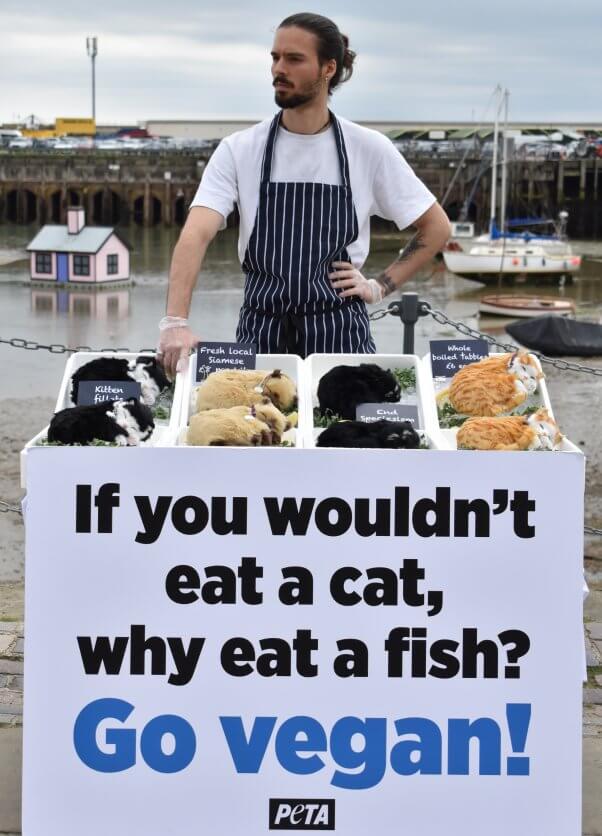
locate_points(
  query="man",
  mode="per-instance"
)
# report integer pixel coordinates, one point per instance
(306, 183)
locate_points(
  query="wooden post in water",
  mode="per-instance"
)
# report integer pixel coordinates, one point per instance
(531, 184)
(146, 210)
(167, 202)
(560, 184)
(40, 209)
(582, 175)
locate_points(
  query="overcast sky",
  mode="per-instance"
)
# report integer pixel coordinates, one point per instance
(178, 59)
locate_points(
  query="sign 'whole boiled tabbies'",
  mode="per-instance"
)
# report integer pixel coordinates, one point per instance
(363, 641)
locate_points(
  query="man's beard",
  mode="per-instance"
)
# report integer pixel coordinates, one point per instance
(298, 99)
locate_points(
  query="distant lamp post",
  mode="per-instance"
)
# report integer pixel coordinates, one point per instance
(92, 49)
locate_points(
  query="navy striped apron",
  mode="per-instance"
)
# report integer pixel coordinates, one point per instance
(300, 229)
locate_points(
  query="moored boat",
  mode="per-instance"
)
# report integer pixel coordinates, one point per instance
(488, 260)
(511, 252)
(513, 305)
(559, 337)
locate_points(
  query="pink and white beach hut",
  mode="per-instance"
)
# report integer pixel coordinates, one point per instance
(78, 253)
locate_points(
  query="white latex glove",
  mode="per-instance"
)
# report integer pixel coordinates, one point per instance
(348, 281)
(176, 341)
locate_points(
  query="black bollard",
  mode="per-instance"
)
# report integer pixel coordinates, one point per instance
(409, 308)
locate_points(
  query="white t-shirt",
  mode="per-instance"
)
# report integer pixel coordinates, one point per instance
(382, 182)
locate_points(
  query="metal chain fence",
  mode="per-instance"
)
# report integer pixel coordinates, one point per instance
(59, 348)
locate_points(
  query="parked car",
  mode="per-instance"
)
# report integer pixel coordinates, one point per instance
(21, 142)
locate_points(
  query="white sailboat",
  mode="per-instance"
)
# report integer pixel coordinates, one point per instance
(501, 254)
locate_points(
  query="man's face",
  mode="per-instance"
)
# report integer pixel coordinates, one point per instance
(297, 75)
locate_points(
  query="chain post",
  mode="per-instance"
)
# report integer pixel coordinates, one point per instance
(409, 309)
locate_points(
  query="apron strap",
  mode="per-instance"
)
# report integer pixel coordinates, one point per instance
(268, 151)
(341, 150)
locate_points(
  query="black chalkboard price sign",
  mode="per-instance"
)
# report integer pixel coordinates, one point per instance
(96, 391)
(448, 356)
(371, 412)
(214, 357)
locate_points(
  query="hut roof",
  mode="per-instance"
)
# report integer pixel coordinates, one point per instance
(55, 238)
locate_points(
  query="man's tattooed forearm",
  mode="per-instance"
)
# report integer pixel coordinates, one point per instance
(387, 284)
(415, 244)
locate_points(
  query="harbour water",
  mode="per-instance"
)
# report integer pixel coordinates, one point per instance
(128, 316)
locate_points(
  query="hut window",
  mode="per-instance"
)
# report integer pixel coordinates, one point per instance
(81, 265)
(112, 264)
(43, 263)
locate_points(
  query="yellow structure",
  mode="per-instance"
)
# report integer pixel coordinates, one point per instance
(75, 127)
(63, 126)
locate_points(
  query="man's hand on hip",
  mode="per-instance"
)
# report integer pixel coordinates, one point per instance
(348, 281)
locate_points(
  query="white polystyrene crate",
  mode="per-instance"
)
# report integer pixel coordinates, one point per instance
(164, 434)
(542, 394)
(23, 454)
(290, 364)
(318, 364)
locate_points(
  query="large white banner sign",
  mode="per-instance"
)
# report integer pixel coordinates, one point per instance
(244, 641)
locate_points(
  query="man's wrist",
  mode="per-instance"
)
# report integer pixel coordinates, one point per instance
(172, 322)
(386, 283)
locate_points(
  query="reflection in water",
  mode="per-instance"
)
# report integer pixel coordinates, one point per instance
(94, 303)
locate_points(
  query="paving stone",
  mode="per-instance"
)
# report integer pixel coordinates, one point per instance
(599, 680)
(9, 698)
(594, 628)
(3, 680)
(19, 647)
(14, 627)
(14, 719)
(11, 666)
(15, 682)
(6, 640)
(592, 654)
(592, 696)
(597, 647)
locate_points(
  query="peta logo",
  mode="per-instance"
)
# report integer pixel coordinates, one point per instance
(301, 813)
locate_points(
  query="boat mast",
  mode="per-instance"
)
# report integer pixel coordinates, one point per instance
(492, 212)
(504, 162)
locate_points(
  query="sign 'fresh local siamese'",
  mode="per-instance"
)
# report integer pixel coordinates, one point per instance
(213, 357)
(358, 643)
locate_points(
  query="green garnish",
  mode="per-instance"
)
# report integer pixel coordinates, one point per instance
(322, 420)
(449, 418)
(405, 377)
(161, 409)
(96, 442)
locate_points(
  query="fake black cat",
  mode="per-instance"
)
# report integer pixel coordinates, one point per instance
(394, 435)
(343, 388)
(126, 423)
